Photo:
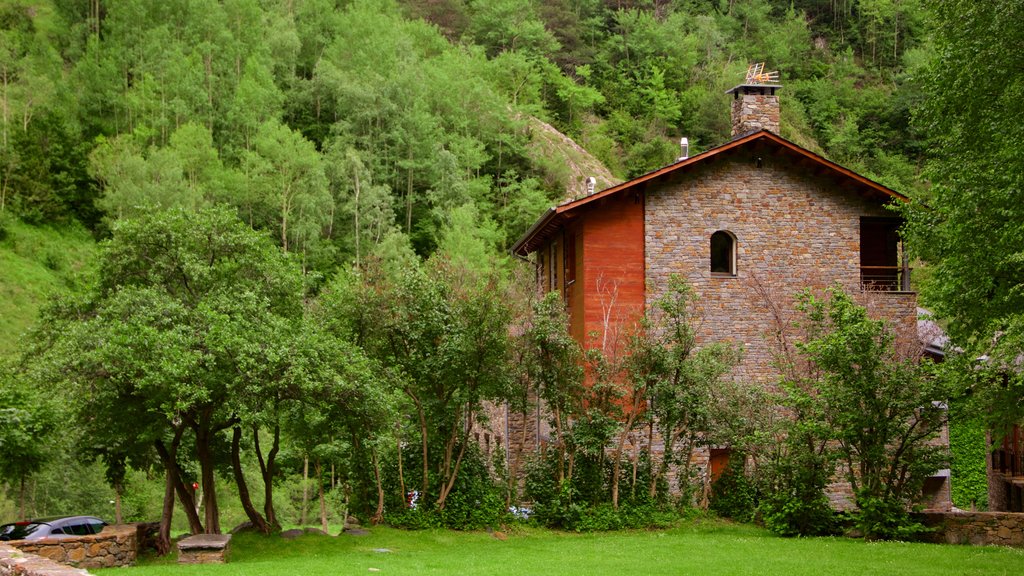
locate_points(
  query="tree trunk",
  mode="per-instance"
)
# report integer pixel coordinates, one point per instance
(305, 490)
(378, 516)
(401, 474)
(423, 442)
(320, 486)
(21, 498)
(617, 465)
(169, 456)
(267, 470)
(208, 480)
(118, 491)
(451, 472)
(243, 488)
(356, 215)
(560, 443)
(163, 541)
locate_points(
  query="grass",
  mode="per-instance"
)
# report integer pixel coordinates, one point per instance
(35, 262)
(706, 548)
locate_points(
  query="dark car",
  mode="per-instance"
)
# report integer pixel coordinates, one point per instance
(58, 527)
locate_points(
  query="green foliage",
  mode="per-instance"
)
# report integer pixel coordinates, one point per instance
(799, 514)
(26, 417)
(684, 386)
(434, 110)
(862, 405)
(734, 495)
(970, 231)
(885, 518)
(967, 454)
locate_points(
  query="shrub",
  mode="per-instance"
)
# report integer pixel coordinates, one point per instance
(734, 494)
(885, 519)
(808, 516)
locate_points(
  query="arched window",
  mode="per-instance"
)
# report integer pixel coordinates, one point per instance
(723, 253)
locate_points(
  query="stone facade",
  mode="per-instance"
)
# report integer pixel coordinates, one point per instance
(793, 231)
(114, 546)
(976, 528)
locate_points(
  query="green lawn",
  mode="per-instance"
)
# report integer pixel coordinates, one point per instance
(705, 548)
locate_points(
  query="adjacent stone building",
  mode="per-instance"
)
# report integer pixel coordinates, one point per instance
(749, 224)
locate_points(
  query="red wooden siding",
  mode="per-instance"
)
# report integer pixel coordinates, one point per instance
(611, 278)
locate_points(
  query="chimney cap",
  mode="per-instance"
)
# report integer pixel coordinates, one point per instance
(754, 89)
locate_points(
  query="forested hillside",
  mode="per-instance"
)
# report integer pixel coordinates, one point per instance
(335, 126)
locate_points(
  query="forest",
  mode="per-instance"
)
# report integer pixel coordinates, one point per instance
(322, 170)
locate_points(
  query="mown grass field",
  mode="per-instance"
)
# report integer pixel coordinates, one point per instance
(705, 548)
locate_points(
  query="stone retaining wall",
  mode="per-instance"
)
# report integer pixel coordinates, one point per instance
(14, 562)
(115, 546)
(977, 528)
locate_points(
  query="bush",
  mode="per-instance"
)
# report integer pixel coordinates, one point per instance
(584, 504)
(476, 501)
(734, 495)
(787, 516)
(885, 519)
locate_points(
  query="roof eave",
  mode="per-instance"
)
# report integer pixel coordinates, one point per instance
(519, 248)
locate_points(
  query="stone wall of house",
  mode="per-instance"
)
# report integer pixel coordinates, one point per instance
(793, 231)
(977, 528)
(115, 546)
(14, 562)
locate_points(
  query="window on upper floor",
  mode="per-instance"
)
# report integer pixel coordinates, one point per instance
(882, 265)
(723, 254)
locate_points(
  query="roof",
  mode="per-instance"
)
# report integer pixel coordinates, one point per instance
(553, 219)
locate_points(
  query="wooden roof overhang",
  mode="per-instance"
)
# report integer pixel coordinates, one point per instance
(761, 141)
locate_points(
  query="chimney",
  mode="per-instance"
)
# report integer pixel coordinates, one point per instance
(591, 185)
(684, 149)
(755, 106)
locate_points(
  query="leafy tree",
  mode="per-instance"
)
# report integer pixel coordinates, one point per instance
(680, 382)
(184, 302)
(510, 25)
(970, 232)
(441, 328)
(288, 174)
(26, 417)
(878, 407)
(554, 365)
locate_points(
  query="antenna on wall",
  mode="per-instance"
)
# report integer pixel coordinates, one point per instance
(684, 149)
(591, 185)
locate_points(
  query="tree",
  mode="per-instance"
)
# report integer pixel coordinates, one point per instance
(880, 409)
(184, 303)
(680, 382)
(554, 363)
(441, 329)
(970, 232)
(25, 418)
(288, 173)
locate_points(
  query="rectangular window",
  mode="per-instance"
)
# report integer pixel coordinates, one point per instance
(880, 267)
(570, 259)
(553, 260)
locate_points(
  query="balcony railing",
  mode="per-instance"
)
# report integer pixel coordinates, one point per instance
(885, 278)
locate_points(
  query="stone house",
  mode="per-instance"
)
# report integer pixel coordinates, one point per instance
(749, 224)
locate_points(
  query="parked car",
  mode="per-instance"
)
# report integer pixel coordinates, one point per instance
(57, 527)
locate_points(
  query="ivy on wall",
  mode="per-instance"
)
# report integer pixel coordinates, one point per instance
(969, 482)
